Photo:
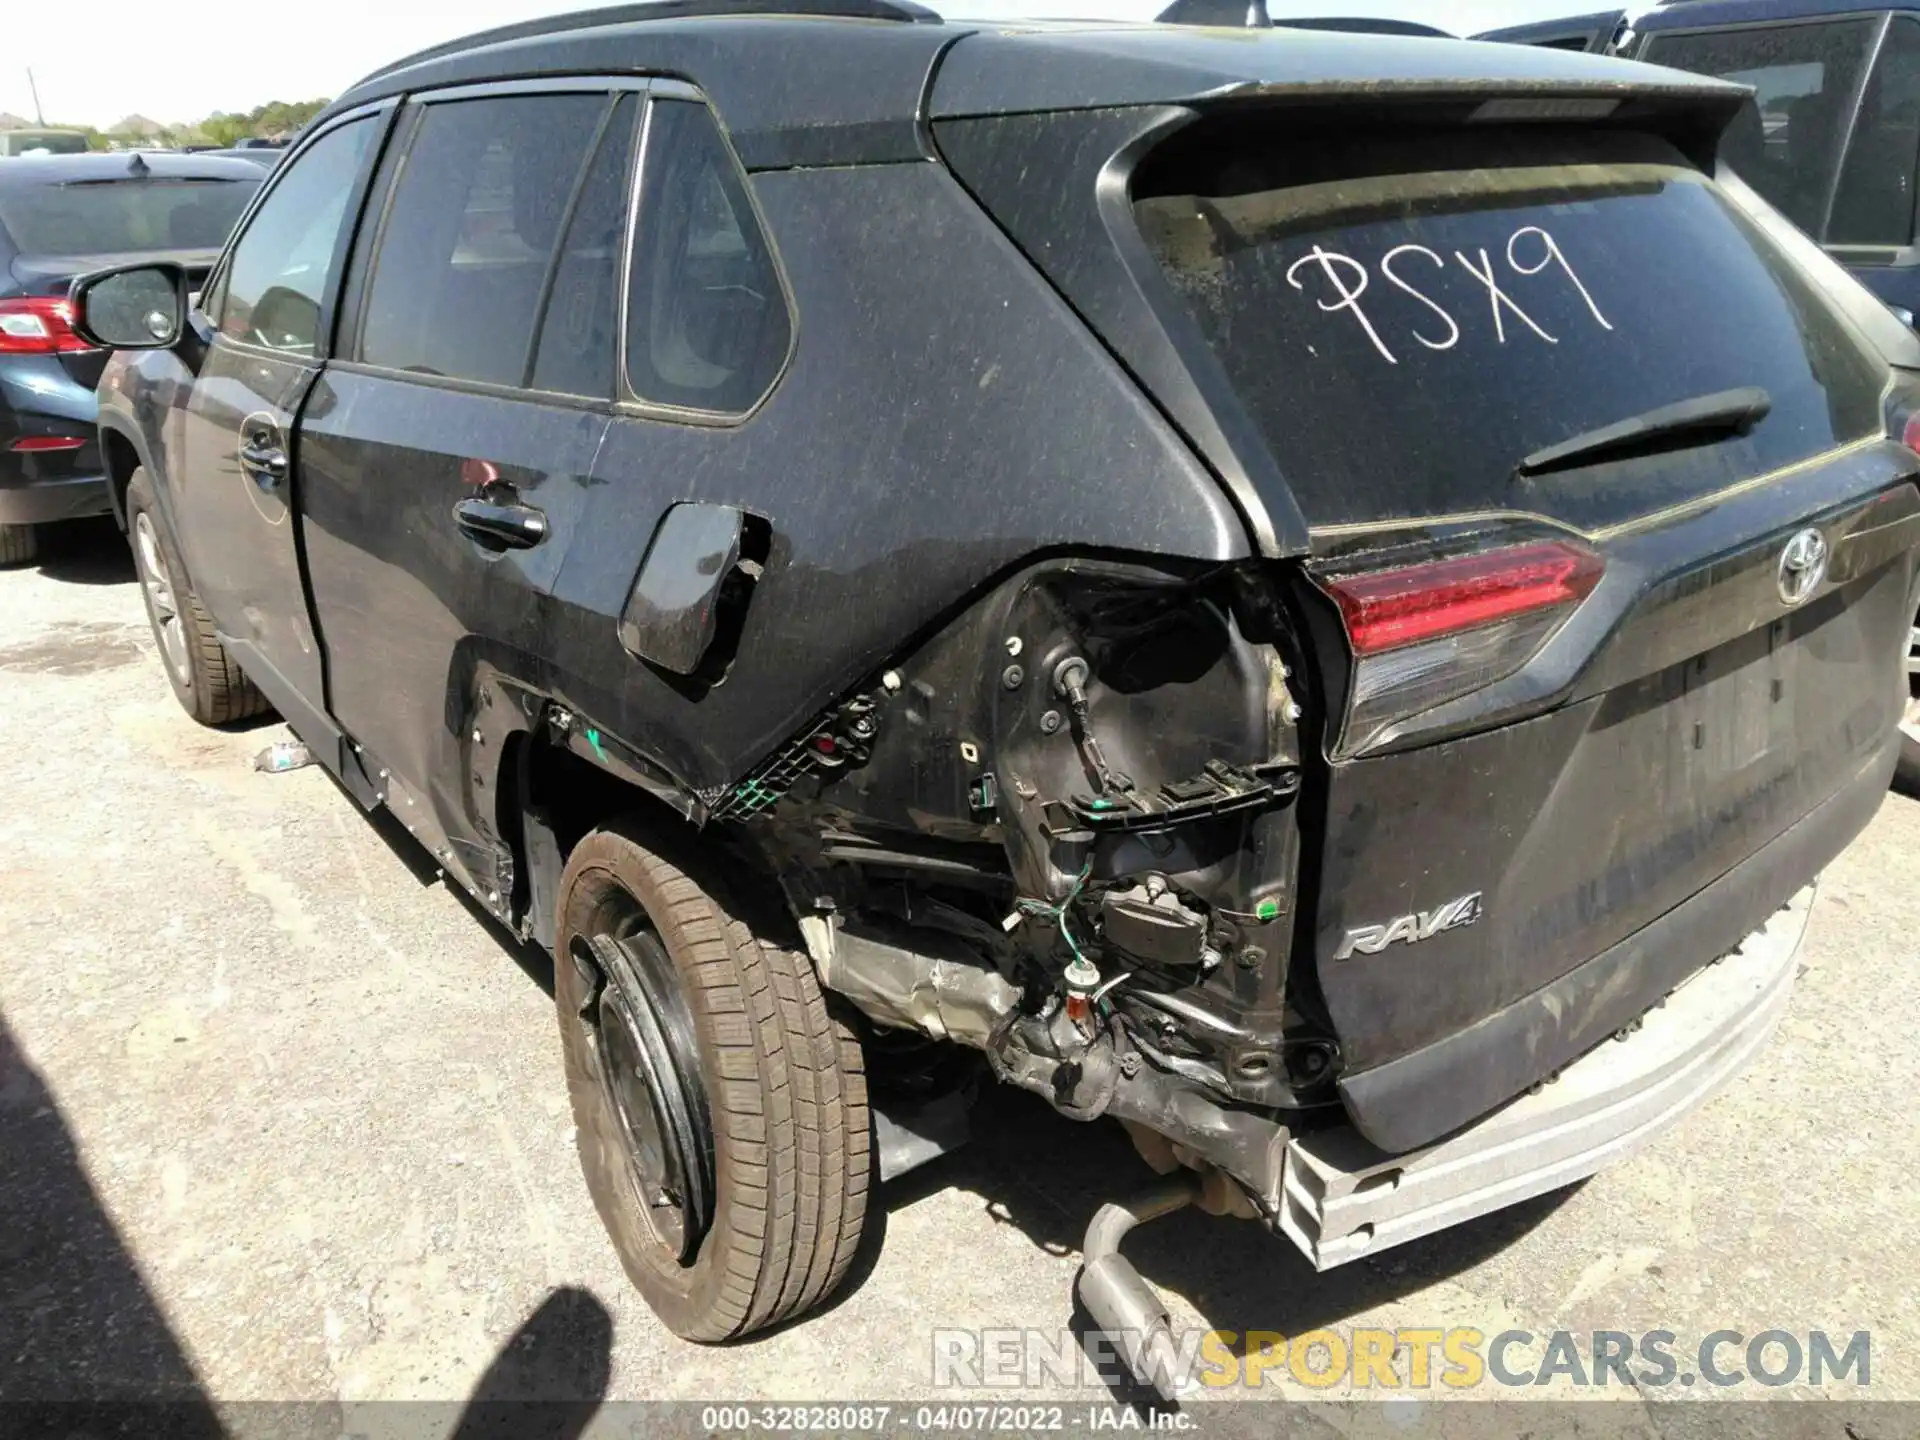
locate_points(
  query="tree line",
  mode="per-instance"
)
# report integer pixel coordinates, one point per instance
(277, 119)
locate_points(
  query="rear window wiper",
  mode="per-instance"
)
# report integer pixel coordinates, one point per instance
(1667, 427)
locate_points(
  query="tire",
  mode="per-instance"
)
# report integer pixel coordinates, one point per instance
(780, 1079)
(18, 544)
(1906, 773)
(206, 682)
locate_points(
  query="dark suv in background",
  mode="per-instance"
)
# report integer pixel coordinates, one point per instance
(1833, 140)
(1281, 588)
(61, 216)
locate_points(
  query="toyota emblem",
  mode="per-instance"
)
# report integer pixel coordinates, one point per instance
(1803, 565)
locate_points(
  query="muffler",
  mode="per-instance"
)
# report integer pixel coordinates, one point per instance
(1120, 1303)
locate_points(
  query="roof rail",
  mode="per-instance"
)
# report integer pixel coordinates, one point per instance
(901, 10)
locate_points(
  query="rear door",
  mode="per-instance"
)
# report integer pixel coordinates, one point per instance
(446, 455)
(707, 335)
(266, 335)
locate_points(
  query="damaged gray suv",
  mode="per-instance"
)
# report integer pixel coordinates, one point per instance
(1279, 588)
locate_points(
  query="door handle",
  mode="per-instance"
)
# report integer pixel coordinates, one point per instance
(261, 457)
(501, 527)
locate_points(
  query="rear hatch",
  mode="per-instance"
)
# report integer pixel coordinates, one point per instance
(1605, 556)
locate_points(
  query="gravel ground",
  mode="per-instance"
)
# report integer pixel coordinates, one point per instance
(282, 1118)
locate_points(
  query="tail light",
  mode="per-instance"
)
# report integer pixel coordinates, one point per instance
(46, 444)
(38, 325)
(1431, 632)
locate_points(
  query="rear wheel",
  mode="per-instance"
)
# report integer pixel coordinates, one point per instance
(721, 1105)
(1906, 775)
(18, 544)
(208, 685)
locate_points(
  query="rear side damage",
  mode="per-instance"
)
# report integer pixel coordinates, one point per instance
(1304, 866)
(1583, 560)
(1065, 832)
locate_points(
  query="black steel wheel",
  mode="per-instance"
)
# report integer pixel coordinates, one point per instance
(721, 1103)
(649, 1071)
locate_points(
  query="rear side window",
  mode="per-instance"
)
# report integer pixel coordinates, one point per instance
(282, 266)
(579, 342)
(707, 322)
(120, 216)
(1409, 317)
(472, 225)
(1805, 78)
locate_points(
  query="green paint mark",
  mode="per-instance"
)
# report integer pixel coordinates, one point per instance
(752, 796)
(593, 739)
(1267, 909)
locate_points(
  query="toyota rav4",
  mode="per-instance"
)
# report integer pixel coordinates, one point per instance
(1283, 587)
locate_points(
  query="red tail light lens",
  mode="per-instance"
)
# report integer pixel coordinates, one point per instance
(38, 325)
(1425, 634)
(46, 444)
(1387, 609)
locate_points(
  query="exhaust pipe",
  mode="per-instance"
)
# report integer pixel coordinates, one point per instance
(1121, 1303)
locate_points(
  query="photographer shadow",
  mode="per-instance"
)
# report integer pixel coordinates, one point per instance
(78, 1326)
(548, 1380)
(85, 1347)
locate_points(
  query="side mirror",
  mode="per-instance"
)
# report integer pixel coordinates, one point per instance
(136, 307)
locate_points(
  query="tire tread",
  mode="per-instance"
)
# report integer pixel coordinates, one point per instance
(220, 692)
(788, 1093)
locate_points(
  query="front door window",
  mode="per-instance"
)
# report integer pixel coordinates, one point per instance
(281, 270)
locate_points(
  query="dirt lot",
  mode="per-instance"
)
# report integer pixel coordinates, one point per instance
(280, 1117)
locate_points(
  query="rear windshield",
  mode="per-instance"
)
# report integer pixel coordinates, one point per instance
(114, 217)
(1407, 318)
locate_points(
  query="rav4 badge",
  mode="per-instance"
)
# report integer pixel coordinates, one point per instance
(1423, 925)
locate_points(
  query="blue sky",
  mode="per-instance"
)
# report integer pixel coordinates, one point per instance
(236, 54)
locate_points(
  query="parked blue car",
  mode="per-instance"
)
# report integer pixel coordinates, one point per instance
(61, 216)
